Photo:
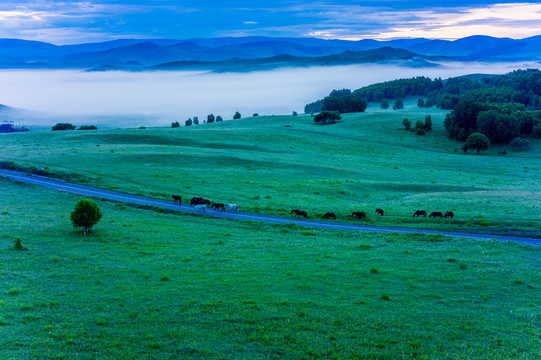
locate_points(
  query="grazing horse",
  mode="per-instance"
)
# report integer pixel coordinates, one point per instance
(379, 211)
(177, 199)
(449, 214)
(233, 207)
(200, 208)
(419, 213)
(329, 215)
(299, 212)
(218, 206)
(436, 214)
(199, 201)
(359, 214)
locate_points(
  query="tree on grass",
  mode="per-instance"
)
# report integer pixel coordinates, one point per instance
(195, 120)
(477, 142)
(236, 116)
(327, 117)
(398, 104)
(219, 118)
(407, 123)
(210, 119)
(175, 124)
(86, 214)
(428, 123)
(384, 104)
(188, 122)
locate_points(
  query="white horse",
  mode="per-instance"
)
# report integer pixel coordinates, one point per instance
(233, 207)
(200, 208)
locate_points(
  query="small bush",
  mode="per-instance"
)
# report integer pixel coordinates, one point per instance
(18, 245)
(63, 126)
(420, 131)
(463, 266)
(294, 113)
(175, 124)
(255, 115)
(407, 123)
(385, 297)
(87, 127)
(14, 291)
(520, 144)
(373, 270)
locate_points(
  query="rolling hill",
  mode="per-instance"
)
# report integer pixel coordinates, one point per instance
(141, 53)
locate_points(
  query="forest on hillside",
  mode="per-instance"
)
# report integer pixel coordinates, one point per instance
(502, 107)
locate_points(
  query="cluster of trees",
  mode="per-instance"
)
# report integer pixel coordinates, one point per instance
(210, 119)
(68, 126)
(502, 107)
(499, 122)
(420, 127)
(342, 101)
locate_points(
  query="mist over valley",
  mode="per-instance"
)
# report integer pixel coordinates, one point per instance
(132, 99)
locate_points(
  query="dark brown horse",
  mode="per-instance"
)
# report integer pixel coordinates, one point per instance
(419, 213)
(436, 214)
(299, 212)
(359, 214)
(379, 211)
(218, 206)
(177, 198)
(199, 201)
(329, 215)
(449, 214)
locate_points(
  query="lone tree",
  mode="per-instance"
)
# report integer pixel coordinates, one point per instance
(86, 214)
(327, 117)
(477, 142)
(398, 104)
(236, 116)
(428, 123)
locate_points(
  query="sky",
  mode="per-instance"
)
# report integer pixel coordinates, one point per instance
(64, 22)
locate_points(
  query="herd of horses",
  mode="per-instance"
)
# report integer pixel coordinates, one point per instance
(362, 214)
(202, 204)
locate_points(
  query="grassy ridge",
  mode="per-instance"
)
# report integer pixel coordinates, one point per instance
(274, 164)
(150, 285)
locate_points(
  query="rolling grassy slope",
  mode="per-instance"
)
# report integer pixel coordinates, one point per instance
(276, 163)
(153, 285)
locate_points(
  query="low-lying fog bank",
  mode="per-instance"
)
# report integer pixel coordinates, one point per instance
(159, 98)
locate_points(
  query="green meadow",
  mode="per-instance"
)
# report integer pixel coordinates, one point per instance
(157, 285)
(278, 163)
(153, 284)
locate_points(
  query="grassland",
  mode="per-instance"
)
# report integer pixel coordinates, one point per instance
(276, 163)
(150, 285)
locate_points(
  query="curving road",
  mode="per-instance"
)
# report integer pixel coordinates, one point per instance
(111, 195)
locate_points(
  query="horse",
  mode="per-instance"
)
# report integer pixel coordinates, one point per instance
(419, 213)
(449, 214)
(299, 212)
(218, 206)
(233, 207)
(329, 215)
(177, 199)
(436, 214)
(379, 211)
(199, 201)
(359, 214)
(201, 208)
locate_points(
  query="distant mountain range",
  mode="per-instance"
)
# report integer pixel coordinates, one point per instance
(252, 53)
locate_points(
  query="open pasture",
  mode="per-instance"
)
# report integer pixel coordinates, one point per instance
(272, 164)
(150, 285)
